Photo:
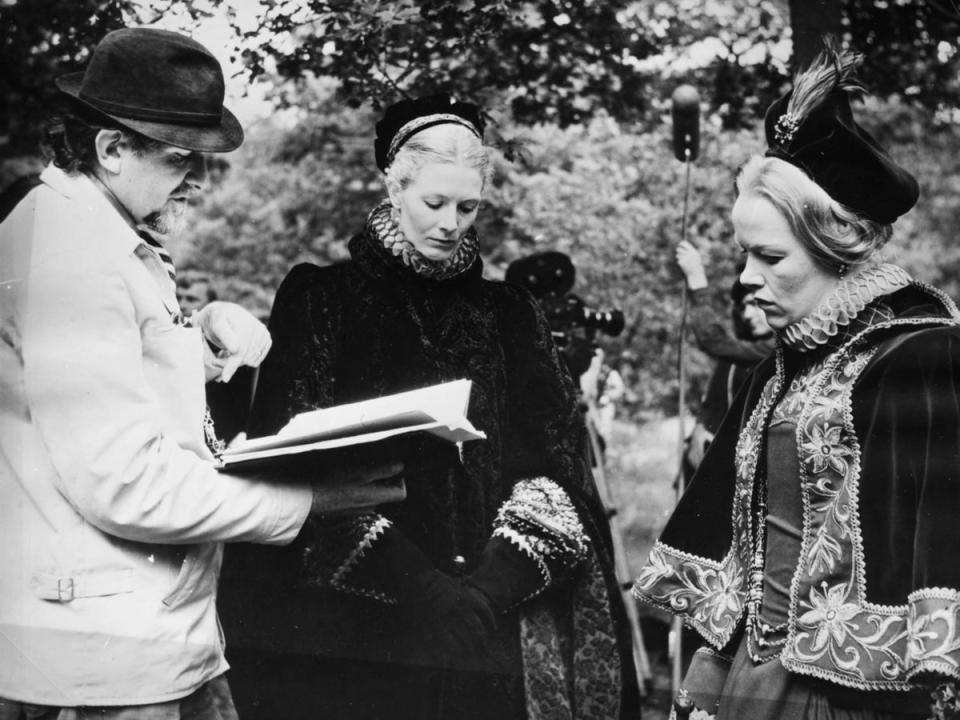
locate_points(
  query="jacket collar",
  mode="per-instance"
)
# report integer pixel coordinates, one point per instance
(118, 232)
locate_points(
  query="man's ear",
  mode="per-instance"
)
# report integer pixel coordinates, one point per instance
(108, 144)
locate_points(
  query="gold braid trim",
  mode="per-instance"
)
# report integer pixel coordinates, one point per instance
(539, 519)
(338, 547)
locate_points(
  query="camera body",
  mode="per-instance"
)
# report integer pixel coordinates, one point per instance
(565, 312)
(550, 276)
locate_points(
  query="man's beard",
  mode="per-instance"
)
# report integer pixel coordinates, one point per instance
(170, 220)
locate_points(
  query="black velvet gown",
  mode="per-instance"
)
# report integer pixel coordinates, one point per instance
(373, 326)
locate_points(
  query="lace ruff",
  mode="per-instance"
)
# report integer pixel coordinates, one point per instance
(841, 306)
(382, 228)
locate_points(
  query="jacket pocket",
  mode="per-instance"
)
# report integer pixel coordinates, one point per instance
(198, 574)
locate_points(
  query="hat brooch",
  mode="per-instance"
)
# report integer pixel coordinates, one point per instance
(786, 128)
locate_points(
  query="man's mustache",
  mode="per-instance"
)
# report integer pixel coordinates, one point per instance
(185, 191)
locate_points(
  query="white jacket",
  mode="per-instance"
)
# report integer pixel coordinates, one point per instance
(111, 511)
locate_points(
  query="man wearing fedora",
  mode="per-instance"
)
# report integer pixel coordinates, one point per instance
(112, 510)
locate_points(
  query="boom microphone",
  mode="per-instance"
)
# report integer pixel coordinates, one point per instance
(685, 108)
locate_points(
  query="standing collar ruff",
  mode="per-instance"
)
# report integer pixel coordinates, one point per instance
(839, 308)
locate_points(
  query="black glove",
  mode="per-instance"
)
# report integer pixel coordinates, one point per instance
(455, 621)
(506, 575)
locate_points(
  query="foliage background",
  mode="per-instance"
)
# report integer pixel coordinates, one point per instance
(577, 95)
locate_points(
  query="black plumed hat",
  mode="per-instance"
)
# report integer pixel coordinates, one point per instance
(404, 119)
(816, 132)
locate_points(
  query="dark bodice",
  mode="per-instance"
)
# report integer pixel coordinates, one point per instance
(370, 327)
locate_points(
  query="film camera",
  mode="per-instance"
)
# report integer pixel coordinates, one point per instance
(550, 276)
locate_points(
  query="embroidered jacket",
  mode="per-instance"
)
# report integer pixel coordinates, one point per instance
(875, 596)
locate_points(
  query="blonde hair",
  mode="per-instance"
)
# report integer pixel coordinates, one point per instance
(446, 143)
(832, 233)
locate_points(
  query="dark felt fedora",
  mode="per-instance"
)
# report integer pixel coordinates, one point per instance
(160, 84)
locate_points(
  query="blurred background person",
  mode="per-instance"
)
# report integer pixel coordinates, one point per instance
(194, 290)
(736, 345)
(601, 388)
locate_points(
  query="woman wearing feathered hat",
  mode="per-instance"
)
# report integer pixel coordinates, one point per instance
(490, 592)
(813, 549)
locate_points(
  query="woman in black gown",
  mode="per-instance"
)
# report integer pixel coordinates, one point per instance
(489, 592)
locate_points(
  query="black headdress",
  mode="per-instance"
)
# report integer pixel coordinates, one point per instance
(812, 127)
(404, 119)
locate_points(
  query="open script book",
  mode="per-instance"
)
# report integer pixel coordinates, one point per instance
(439, 410)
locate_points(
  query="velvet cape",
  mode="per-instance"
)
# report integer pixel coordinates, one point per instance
(905, 412)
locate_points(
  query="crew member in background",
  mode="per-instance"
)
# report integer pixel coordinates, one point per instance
(736, 345)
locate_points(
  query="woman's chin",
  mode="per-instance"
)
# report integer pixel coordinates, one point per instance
(438, 254)
(778, 322)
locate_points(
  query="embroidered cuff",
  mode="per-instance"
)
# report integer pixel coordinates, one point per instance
(337, 547)
(710, 596)
(933, 645)
(541, 522)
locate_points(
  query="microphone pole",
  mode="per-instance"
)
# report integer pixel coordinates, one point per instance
(685, 113)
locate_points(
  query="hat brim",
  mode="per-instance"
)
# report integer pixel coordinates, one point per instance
(223, 137)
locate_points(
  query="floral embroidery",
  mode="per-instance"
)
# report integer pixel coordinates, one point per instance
(834, 633)
(747, 452)
(656, 569)
(824, 553)
(934, 642)
(825, 449)
(830, 616)
(711, 595)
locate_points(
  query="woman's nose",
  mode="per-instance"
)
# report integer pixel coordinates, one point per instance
(448, 218)
(750, 277)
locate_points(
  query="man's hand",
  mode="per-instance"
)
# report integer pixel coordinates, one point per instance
(242, 339)
(355, 487)
(691, 263)
(698, 441)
